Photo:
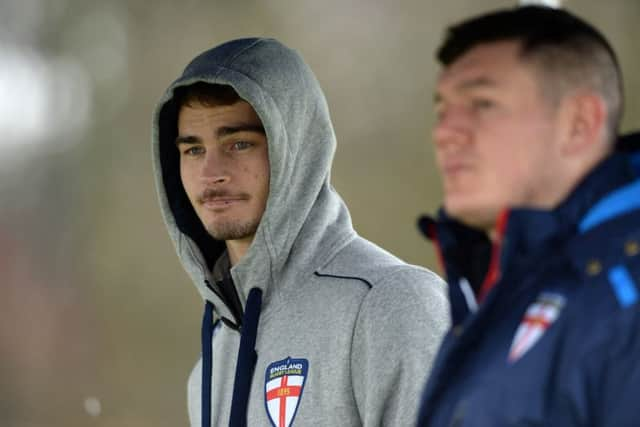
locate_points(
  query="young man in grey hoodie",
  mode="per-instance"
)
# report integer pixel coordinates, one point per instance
(305, 322)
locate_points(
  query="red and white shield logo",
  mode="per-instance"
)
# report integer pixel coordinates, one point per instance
(537, 319)
(283, 386)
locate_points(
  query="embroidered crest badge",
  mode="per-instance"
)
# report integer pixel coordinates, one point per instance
(283, 385)
(537, 319)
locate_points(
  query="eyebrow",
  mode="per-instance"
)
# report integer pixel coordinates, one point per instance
(465, 85)
(476, 82)
(222, 132)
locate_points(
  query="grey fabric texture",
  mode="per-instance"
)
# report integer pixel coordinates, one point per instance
(367, 323)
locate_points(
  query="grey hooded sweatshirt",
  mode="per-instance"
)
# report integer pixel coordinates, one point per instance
(337, 332)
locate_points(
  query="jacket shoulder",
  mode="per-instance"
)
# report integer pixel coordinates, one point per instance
(607, 303)
(608, 259)
(400, 323)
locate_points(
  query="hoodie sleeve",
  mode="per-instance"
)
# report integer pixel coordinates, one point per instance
(193, 395)
(399, 328)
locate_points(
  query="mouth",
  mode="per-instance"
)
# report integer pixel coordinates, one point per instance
(217, 203)
(453, 168)
(218, 199)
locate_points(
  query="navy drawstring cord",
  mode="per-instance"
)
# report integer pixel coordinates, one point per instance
(247, 357)
(207, 362)
(246, 361)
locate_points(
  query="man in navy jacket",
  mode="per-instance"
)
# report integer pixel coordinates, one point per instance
(540, 230)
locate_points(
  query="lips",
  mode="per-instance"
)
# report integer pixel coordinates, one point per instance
(218, 200)
(453, 167)
(221, 202)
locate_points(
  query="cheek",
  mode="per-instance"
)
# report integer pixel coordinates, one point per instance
(264, 180)
(188, 180)
(256, 173)
(518, 177)
(256, 177)
(262, 172)
(504, 174)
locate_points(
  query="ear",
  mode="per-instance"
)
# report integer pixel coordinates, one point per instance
(585, 122)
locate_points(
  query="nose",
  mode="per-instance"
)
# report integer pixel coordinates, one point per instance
(452, 128)
(215, 168)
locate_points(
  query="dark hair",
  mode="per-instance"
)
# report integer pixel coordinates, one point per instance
(568, 51)
(207, 94)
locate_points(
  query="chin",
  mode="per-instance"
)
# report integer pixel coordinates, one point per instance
(474, 215)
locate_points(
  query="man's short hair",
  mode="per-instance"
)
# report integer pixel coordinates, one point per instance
(568, 52)
(207, 94)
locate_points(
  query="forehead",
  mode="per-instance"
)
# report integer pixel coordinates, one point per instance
(196, 113)
(490, 64)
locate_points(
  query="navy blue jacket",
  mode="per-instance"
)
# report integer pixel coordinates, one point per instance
(546, 321)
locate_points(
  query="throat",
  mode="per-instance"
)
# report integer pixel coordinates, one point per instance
(238, 248)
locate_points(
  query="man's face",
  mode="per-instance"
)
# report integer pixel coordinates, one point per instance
(224, 166)
(495, 136)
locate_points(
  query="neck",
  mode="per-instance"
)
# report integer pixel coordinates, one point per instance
(237, 248)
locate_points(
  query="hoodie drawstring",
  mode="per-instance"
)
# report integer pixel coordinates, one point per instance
(247, 357)
(246, 361)
(207, 362)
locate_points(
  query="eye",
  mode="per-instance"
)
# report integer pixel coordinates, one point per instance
(241, 145)
(194, 150)
(480, 104)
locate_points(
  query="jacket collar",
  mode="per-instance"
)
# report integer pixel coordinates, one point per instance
(467, 253)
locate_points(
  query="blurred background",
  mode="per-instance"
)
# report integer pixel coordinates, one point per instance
(99, 325)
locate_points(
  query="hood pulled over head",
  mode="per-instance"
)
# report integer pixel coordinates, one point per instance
(302, 210)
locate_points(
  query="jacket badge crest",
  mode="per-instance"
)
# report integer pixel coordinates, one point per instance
(537, 319)
(283, 386)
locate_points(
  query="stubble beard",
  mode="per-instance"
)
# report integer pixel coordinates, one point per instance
(232, 230)
(225, 228)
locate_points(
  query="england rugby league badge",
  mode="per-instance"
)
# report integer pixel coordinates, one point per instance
(537, 319)
(283, 386)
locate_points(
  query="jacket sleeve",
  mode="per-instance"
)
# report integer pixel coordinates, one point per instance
(398, 331)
